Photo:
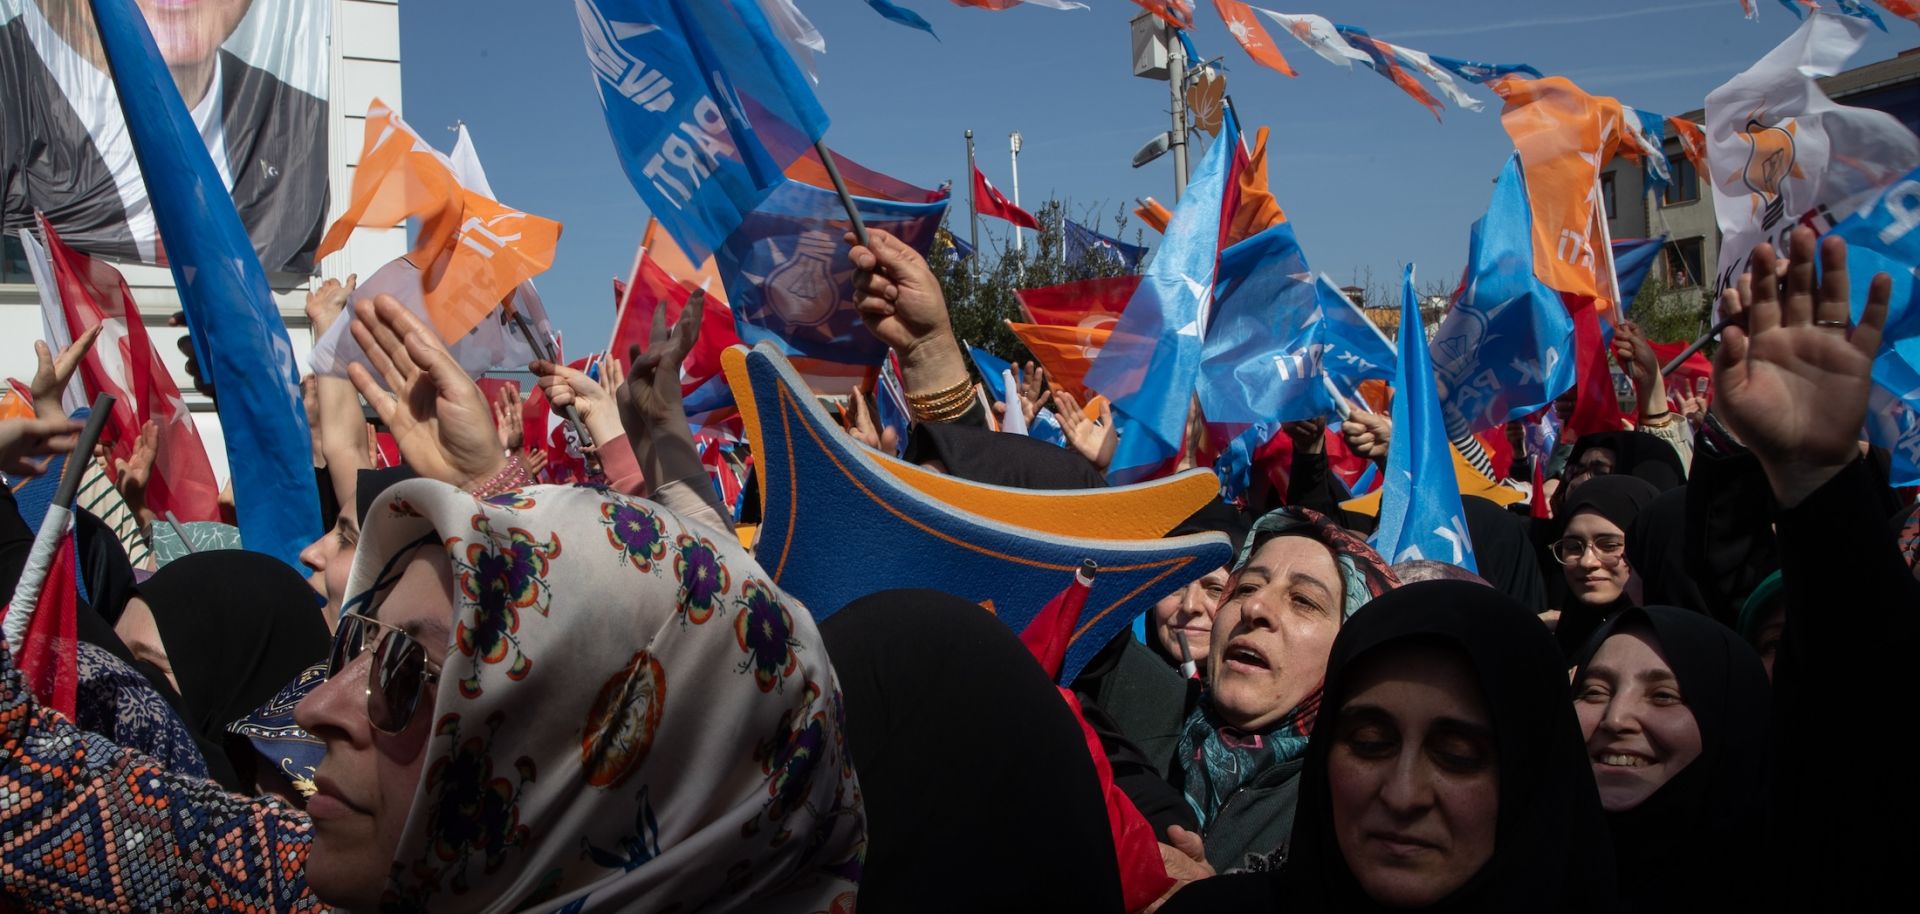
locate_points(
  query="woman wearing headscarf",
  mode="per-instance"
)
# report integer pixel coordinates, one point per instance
(228, 628)
(1238, 759)
(1446, 772)
(1676, 709)
(1622, 454)
(1591, 550)
(547, 699)
(1502, 551)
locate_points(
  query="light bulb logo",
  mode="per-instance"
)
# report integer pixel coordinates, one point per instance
(802, 291)
(1771, 160)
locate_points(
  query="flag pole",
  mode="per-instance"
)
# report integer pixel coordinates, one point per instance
(1176, 83)
(1694, 346)
(26, 594)
(840, 187)
(1013, 142)
(973, 208)
(620, 313)
(542, 348)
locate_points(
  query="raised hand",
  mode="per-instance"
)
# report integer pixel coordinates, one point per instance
(866, 430)
(132, 474)
(1692, 405)
(51, 374)
(900, 301)
(535, 460)
(436, 413)
(508, 421)
(651, 394)
(1368, 434)
(1309, 435)
(1033, 390)
(1093, 440)
(1642, 366)
(1792, 379)
(566, 386)
(26, 444)
(327, 303)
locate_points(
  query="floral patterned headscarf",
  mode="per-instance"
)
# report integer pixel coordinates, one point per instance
(630, 717)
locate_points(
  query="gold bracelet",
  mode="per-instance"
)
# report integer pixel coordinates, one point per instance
(945, 415)
(942, 398)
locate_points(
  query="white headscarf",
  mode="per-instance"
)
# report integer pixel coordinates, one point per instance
(631, 716)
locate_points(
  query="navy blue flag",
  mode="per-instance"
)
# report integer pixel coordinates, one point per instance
(961, 249)
(1475, 71)
(705, 106)
(1082, 241)
(1632, 260)
(790, 281)
(238, 336)
(897, 13)
(1506, 347)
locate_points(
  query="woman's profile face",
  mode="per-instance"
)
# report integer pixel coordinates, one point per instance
(1414, 776)
(1639, 731)
(367, 782)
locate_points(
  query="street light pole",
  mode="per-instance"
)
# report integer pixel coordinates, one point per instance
(1177, 84)
(1013, 141)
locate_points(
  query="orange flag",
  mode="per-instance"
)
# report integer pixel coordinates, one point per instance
(1565, 137)
(1693, 141)
(1257, 210)
(1252, 37)
(1153, 214)
(1065, 352)
(478, 249)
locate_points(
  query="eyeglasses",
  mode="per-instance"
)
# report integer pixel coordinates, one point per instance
(399, 672)
(1596, 468)
(1570, 550)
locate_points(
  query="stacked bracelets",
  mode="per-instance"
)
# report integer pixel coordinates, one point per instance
(943, 405)
(512, 476)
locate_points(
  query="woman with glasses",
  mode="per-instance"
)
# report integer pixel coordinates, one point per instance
(1592, 553)
(538, 699)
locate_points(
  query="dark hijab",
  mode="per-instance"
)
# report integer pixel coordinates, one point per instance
(1215, 516)
(237, 627)
(1638, 454)
(1000, 459)
(1703, 838)
(980, 793)
(1619, 499)
(1504, 553)
(1551, 851)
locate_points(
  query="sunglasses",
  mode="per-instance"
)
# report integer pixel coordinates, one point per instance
(399, 673)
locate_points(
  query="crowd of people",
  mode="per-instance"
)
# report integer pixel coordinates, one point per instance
(495, 695)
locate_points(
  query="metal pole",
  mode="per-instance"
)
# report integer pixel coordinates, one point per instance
(973, 207)
(840, 187)
(1177, 84)
(1013, 141)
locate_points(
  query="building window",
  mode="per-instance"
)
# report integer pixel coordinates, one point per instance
(1684, 263)
(1606, 194)
(1685, 186)
(13, 261)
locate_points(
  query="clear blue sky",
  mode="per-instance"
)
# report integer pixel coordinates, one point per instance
(1367, 176)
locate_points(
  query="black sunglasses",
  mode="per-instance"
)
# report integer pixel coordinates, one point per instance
(399, 673)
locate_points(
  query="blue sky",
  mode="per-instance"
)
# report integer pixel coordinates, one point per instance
(1367, 176)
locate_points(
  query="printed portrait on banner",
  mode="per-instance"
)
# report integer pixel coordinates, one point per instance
(253, 74)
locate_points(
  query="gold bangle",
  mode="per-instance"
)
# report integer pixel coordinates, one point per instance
(942, 398)
(944, 414)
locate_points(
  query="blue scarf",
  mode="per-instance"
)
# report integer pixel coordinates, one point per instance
(1219, 759)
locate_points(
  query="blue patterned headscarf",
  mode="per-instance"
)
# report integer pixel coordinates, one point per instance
(119, 704)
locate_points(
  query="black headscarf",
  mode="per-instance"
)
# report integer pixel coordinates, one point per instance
(237, 626)
(1000, 459)
(368, 484)
(1503, 552)
(1636, 454)
(919, 668)
(1551, 851)
(1619, 499)
(1703, 839)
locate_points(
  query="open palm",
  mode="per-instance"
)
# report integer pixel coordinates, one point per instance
(438, 416)
(1793, 382)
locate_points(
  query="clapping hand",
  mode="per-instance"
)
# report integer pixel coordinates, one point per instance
(864, 429)
(508, 421)
(51, 374)
(437, 414)
(1094, 440)
(27, 444)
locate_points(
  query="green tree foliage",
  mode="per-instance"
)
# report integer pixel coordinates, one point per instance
(1667, 313)
(980, 296)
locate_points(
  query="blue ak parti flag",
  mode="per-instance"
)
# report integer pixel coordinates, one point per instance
(236, 327)
(1353, 349)
(1506, 347)
(1475, 71)
(789, 278)
(1081, 241)
(1420, 513)
(1656, 170)
(1882, 238)
(1151, 363)
(1632, 260)
(894, 12)
(705, 106)
(1261, 362)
